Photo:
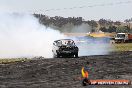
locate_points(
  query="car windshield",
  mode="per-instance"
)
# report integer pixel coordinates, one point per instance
(65, 42)
(120, 35)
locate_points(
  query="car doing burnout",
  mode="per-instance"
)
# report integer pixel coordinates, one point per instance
(65, 47)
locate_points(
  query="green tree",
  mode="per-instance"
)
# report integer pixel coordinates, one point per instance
(103, 29)
(102, 22)
(112, 29)
(117, 23)
(93, 25)
(123, 29)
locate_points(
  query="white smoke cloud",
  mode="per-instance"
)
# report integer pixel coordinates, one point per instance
(92, 46)
(21, 35)
(71, 28)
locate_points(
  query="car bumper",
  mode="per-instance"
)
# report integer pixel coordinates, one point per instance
(67, 52)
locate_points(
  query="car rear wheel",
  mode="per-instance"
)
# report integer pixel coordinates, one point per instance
(76, 55)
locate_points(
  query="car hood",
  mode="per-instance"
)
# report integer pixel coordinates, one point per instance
(65, 46)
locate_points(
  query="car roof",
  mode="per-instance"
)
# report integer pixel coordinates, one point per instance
(63, 40)
(121, 33)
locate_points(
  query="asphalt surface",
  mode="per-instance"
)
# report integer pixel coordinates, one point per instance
(66, 72)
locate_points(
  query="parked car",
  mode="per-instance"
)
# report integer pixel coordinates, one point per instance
(64, 48)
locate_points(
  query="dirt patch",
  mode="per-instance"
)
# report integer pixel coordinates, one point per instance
(65, 72)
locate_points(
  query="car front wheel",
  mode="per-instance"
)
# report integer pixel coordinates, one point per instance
(58, 55)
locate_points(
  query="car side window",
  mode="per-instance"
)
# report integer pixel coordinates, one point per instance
(54, 43)
(59, 43)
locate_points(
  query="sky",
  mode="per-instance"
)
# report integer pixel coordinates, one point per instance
(114, 11)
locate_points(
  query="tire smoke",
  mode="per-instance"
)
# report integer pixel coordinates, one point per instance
(92, 46)
(21, 35)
